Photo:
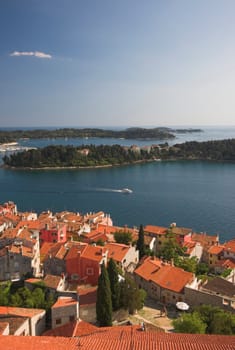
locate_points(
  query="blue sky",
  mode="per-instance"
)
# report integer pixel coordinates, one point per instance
(117, 63)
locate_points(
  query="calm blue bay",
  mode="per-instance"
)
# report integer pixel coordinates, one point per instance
(200, 195)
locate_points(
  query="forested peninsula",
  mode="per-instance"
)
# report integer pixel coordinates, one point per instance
(105, 155)
(82, 156)
(159, 133)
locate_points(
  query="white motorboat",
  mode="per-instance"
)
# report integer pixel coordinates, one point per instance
(126, 190)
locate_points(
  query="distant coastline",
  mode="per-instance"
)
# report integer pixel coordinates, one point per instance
(133, 133)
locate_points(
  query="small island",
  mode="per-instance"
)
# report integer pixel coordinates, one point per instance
(133, 133)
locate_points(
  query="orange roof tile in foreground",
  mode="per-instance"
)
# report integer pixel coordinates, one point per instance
(121, 338)
(38, 343)
(73, 329)
(64, 301)
(117, 251)
(157, 230)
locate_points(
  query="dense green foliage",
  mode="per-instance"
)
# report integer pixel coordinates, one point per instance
(69, 156)
(210, 150)
(140, 242)
(206, 319)
(104, 301)
(123, 237)
(114, 284)
(189, 323)
(171, 250)
(130, 133)
(23, 297)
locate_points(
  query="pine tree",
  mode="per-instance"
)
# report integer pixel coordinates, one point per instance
(104, 301)
(140, 242)
(114, 284)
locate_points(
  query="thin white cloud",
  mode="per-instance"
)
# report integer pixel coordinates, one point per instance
(31, 53)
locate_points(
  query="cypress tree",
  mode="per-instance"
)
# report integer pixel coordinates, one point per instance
(114, 284)
(104, 302)
(140, 242)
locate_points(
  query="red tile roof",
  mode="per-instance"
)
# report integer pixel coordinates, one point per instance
(94, 253)
(117, 251)
(148, 268)
(73, 329)
(38, 343)
(156, 230)
(20, 311)
(164, 275)
(64, 301)
(216, 249)
(122, 338)
(52, 281)
(230, 245)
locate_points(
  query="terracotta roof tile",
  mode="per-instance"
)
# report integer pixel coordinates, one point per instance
(230, 245)
(52, 281)
(120, 338)
(117, 251)
(73, 329)
(94, 253)
(38, 343)
(156, 230)
(64, 301)
(20, 311)
(166, 276)
(216, 249)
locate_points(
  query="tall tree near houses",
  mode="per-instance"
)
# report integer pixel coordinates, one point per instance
(140, 242)
(114, 284)
(104, 301)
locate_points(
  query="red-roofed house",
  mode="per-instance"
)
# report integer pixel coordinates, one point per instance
(32, 323)
(83, 263)
(162, 281)
(53, 232)
(65, 310)
(125, 256)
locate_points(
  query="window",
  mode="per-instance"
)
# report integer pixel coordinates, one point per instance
(71, 318)
(90, 271)
(58, 321)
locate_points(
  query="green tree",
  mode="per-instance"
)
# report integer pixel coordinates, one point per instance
(5, 293)
(131, 297)
(104, 301)
(187, 264)
(114, 284)
(38, 296)
(189, 323)
(123, 237)
(202, 269)
(140, 242)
